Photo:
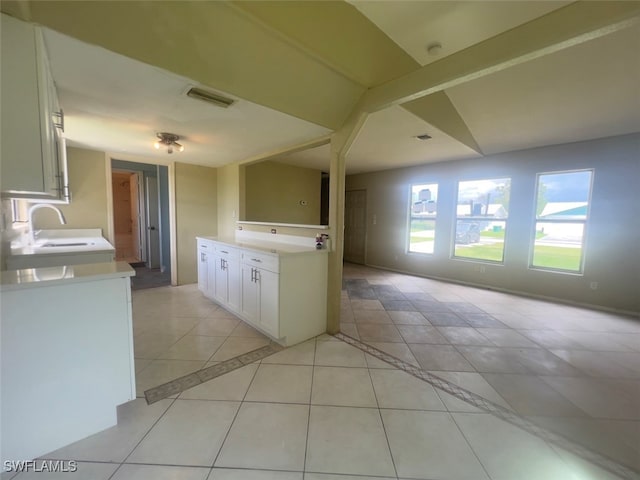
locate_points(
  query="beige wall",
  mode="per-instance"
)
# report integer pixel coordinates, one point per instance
(611, 246)
(88, 184)
(274, 192)
(196, 214)
(229, 205)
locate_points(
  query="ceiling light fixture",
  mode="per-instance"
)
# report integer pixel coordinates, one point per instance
(169, 140)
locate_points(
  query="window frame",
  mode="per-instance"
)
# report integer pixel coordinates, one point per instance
(584, 222)
(478, 218)
(433, 219)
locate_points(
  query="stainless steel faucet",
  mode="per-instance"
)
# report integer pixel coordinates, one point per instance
(37, 206)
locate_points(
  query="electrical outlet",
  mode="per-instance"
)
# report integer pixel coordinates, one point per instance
(375, 219)
(273, 230)
(593, 285)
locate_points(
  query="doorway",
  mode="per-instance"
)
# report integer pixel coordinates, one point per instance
(126, 216)
(355, 226)
(141, 220)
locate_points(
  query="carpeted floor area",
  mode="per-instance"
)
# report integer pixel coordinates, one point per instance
(149, 278)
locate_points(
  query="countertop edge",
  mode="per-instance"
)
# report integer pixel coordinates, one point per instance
(11, 280)
(270, 248)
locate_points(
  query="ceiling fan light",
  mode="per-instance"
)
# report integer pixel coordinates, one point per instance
(169, 140)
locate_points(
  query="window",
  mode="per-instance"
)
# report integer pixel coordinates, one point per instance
(481, 219)
(562, 210)
(422, 212)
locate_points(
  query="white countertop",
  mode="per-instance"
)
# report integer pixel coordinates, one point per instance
(46, 276)
(65, 242)
(275, 248)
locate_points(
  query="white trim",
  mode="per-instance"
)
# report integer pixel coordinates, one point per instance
(287, 225)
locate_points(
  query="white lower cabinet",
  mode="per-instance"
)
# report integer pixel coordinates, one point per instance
(227, 277)
(260, 293)
(282, 294)
(206, 272)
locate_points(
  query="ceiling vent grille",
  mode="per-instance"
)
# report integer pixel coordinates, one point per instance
(205, 96)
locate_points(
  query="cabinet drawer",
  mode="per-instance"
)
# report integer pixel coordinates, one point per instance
(205, 245)
(225, 251)
(260, 260)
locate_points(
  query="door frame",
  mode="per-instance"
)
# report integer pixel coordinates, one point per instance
(141, 217)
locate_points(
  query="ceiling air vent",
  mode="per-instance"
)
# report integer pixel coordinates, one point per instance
(205, 96)
(424, 136)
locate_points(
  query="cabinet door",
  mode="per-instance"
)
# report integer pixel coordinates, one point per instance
(250, 292)
(211, 276)
(269, 307)
(233, 284)
(21, 137)
(33, 149)
(221, 290)
(203, 273)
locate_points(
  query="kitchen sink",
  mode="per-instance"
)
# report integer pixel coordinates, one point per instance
(76, 244)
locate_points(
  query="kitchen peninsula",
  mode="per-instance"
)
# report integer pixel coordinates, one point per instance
(278, 287)
(66, 352)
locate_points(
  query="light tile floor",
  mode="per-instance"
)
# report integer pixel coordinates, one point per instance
(325, 410)
(571, 370)
(293, 417)
(178, 331)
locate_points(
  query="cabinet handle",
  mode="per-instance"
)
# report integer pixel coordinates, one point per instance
(256, 260)
(60, 123)
(224, 251)
(203, 257)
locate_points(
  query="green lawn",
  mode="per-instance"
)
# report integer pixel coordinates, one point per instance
(561, 258)
(491, 252)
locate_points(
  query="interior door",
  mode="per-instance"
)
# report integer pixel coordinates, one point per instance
(355, 226)
(137, 216)
(153, 222)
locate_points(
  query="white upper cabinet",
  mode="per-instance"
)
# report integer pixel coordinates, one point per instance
(33, 160)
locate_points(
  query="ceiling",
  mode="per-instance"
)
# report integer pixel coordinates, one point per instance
(117, 104)
(117, 94)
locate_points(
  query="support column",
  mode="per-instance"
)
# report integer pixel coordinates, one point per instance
(341, 142)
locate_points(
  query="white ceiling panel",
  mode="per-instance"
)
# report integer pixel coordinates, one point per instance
(456, 25)
(588, 91)
(116, 104)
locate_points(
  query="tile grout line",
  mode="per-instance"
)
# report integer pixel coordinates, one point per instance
(384, 428)
(306, 443)
(496, 410)
(146, 434)
(234, 418)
